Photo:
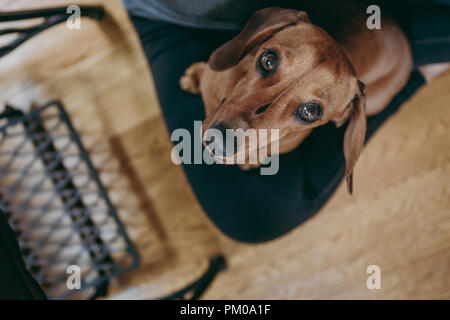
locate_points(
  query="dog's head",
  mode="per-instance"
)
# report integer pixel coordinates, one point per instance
(295, 78)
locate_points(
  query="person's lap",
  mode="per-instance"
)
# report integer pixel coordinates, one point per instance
(247, 206)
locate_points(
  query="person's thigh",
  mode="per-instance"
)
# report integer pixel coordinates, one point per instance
(246, 206)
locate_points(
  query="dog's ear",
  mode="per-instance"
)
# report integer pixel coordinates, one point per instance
(261, 25)
(355, 134)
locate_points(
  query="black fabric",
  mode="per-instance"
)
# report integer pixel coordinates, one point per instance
(246, 205)
(16, 283)
(429, 32)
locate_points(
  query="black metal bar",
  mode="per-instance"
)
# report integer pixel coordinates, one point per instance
(95, 12)
(44, 149)
(195, 290)
(29, 33)
(52, 16)
(84, 154)
(51, 158)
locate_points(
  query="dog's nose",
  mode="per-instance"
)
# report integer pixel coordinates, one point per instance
(223, 145)
(221, 126)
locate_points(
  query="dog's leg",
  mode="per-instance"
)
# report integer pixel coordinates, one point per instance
(393, 69)
(190, 81)
(380, 92)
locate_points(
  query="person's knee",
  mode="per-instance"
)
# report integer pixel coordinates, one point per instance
(261, 227)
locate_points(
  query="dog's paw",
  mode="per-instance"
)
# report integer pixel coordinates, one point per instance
(189, 84)
(190, 81)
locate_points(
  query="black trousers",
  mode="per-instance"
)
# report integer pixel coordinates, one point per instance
(247, 206)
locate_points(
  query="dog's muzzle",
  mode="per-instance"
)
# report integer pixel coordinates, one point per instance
(225, 143)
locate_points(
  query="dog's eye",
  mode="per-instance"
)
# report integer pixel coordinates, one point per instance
(268, 61)
(309, 112)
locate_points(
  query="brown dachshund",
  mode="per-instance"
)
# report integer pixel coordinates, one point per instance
(284, 72)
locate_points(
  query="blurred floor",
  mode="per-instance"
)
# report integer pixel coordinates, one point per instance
(398, 219)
